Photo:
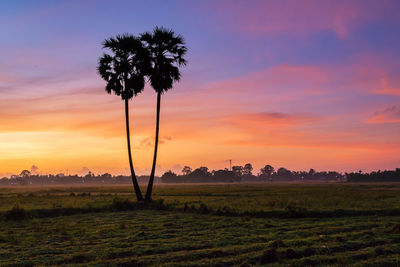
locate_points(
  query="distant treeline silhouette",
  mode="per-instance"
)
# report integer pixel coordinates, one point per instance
(203, 175)
(379, 176)
(245, 174)
(26, 178)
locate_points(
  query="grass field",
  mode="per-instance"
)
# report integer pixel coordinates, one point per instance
(202, 225)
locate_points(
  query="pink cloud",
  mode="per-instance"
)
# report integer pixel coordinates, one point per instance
(5, 78)
(280, 79)
(365, 74)
(386, 89)
(372, 74)
(300, 17)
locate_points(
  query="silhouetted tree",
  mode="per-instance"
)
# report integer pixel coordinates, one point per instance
(204, 169)
(201, 172)
(237, 170)
(169, 176)
(89, 175)
(267, 170)
(124, 71)
(247, 169)
(225, 176)
(25, 173)
(167, 51)
(283, 172)
(106, 175)
(186, 170)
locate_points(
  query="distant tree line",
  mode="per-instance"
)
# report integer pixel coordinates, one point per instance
(245, 174)
(200, 175)
(26, 178)
(204, 175)
(378, 176)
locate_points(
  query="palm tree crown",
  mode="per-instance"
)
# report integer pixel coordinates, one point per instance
(167, 51)
(124, 71)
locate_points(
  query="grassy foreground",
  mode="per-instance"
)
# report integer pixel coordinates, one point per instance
(202, 225)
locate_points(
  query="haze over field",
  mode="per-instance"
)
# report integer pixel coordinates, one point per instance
(312, 84)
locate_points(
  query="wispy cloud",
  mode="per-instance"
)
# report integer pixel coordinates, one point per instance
(388, 115)
(148, 142)
(386, 89)
(270, 119)
(301, 17)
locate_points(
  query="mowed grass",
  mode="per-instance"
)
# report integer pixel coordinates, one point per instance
(189, 230)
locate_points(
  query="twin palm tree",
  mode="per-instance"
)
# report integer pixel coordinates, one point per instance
(158, 55)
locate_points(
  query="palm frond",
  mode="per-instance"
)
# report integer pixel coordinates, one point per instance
(167, 52)
(125, 68)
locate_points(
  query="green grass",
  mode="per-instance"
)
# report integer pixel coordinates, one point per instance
(205, 225)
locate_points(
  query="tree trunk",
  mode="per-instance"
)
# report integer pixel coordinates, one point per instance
(153, 169)
(128, 139)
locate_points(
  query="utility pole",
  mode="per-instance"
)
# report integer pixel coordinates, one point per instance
(230, 165)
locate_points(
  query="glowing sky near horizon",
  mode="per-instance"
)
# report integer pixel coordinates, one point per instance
(299, 84)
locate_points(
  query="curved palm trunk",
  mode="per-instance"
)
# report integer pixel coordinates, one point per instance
(153, 169)
(134, 180)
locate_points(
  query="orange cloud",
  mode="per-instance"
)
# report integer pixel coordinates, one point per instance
(382, 119)
(365, 74)
(385, 89)
(284, 76)
(148, 142)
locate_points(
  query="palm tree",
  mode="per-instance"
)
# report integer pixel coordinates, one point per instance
(124, 71)
(167, 51)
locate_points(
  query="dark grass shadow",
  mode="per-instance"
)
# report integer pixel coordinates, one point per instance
(18, 213)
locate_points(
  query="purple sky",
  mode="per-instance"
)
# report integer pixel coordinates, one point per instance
(298, 84)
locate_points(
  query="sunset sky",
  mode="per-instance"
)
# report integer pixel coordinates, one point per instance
(299, 84)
